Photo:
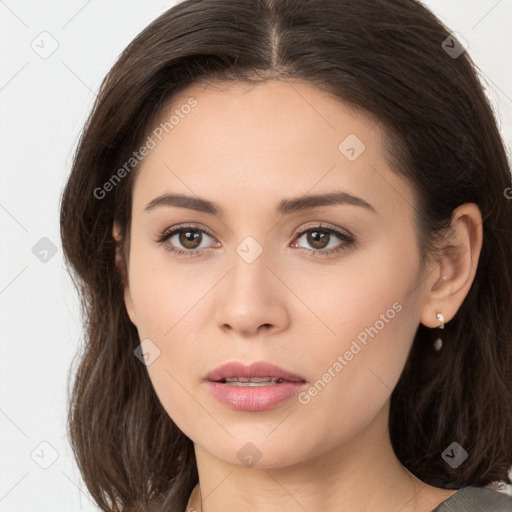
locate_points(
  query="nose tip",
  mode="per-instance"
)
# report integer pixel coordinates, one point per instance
(246, 315)
(249, 301)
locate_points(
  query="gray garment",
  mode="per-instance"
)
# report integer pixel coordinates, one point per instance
(476, 499)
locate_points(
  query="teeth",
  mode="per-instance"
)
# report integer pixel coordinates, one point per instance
(249, 379)
(252, 384)
(252, 381)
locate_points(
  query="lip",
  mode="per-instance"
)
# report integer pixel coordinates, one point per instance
(253, 398)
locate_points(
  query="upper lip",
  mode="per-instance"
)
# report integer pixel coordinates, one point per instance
(257, 369)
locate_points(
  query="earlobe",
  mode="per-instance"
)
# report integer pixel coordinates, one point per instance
(123, 272)
(453, 274)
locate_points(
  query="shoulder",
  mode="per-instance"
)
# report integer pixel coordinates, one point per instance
(476, 499)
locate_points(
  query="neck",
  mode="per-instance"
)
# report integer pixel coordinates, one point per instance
(362, 474)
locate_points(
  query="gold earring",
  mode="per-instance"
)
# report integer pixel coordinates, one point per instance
(439, 342)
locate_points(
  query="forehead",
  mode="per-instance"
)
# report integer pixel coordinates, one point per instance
(249, 142)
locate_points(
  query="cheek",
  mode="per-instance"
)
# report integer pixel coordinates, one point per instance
(367, 297)
(166, 301)
(354, 376)
(163, 294)
(374, 316)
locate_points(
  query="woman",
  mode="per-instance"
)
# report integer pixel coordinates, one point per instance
(290, 228)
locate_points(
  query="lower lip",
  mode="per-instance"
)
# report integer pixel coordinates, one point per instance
(254, 398)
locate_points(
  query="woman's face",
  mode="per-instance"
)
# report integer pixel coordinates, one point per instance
(339, 311)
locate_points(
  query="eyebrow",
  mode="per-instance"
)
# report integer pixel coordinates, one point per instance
(285, 207)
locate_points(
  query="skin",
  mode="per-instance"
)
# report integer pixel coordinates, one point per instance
(246, 149)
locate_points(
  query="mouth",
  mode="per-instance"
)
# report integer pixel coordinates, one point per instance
(252, 381)
(255, 387)
(259, 373)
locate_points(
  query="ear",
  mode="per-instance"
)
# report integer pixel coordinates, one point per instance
(123, 271)
(454, 270)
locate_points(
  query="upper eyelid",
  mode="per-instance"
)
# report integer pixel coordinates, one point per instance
(179, 227)
(322, 225)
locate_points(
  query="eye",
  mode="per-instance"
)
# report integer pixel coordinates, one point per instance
(188, 237)
(186, 240)
(319, 237)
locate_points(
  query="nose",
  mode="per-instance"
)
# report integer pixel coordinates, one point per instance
(252, 298)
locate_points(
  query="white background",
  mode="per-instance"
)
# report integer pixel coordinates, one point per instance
(44, 103)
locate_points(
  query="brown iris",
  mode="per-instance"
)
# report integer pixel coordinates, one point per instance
(318, 239)
(189, 237)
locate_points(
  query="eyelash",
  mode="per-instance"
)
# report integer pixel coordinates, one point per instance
(345, 237)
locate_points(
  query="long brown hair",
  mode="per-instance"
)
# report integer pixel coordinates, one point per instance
(388, 59)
